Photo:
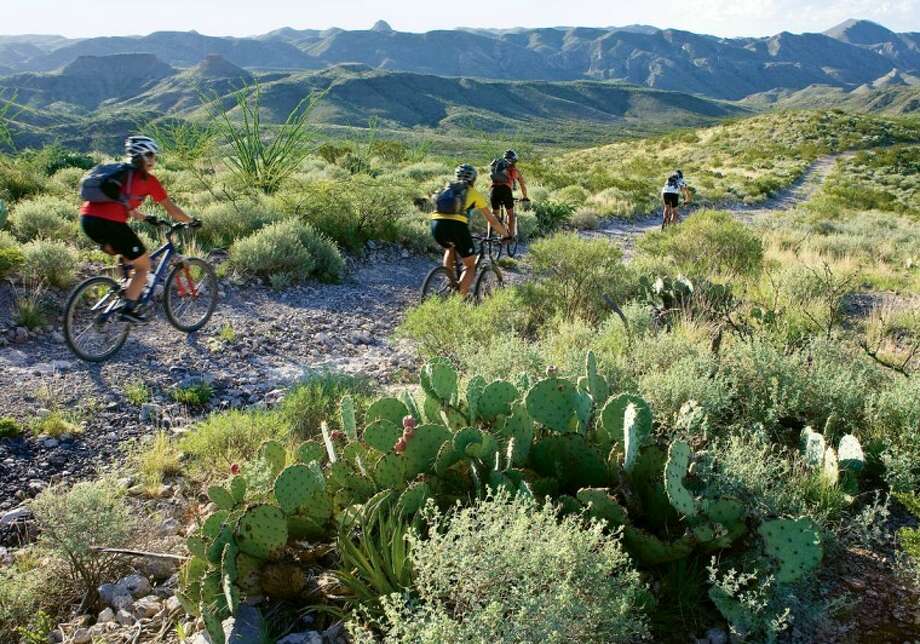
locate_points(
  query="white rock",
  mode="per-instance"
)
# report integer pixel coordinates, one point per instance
(173, 604)
(106, 616)
(137, 585)
(22, 513)
(82, 636)
(124, 618)
(122, 601)
(147, 607)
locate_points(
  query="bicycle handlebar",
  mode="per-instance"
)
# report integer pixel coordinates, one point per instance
(172, 225)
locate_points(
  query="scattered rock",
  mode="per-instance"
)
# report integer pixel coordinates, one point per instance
(147, 607)
(122, 601)
(82, 636)
(716, 636)
(124, 618)
(246, 627)
(136, 585)
(107, 615)
(20, 335)
(18, 515)
(307, 637)
(151, 413)
(173, 604)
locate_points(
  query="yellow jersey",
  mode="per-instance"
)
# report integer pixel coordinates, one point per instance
(474, 201)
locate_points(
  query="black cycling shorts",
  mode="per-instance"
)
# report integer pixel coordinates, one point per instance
(670, 198)
(113, 235)
(453, 234)
(502, 196)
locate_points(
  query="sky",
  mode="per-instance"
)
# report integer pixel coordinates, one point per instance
(83, 18)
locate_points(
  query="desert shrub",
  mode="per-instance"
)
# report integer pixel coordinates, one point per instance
(44, 217)
(504, 356)
(505, 570)
(68, 180)
(571, 195)
(18, 182)
(893, 419)
(526, 224)
(452, 327)
(225, 438)
(610, 202)
(29, 588)
(571, 276)
(195, 395)
(708, 244)
(73, 520)
(328, 207)
(11, 258)
(9, 427)
(551, 216)
(425, 170)
(565, 342)
(224, 223)
(156, 459)
(288, 247)
(52, 158)
(47, 261)
(56, 423)
(331, 152)
(585, 219)
(414, 233)
(316, 399)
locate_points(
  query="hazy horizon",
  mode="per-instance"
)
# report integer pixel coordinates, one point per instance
(739, 18)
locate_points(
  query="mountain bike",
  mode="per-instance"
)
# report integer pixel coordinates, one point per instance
(512, 244)
(440, 282)
(93, 328)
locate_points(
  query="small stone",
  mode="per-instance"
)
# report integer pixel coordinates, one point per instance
(20, 335)
(855, 584)
(124, 618)
(717, 636)
(151, 413)
(82, 636)
(20, 514)
(50, 443)
(58, 337)
(173, 604)
(107, 615)
(307, 637)
(170, 527)
(122, 601)
(147, 607)
(136, 585)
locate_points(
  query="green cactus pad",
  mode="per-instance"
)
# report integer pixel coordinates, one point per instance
(830, 471)
(212, 593)
(310, 451)
(552, 402)
(216, 548)
(496, 399)
(795, 545)
(221, 497)
(442, 378)
(737, 615)
(228, 561)
(612, 427)
(569, 505)
(273, 454)
(248, 569)
(431, 411)
(262, 532)
(545, 487)
(231, 594)
(238, 489)
(646, 481)
(422, 450)
(390, 409)
(723, 510)
(191, 575)
(569, 459)
(213, 625)
(212, 525)
(584, 404)
(813, 447)
(674, 472)
(388, 471)
(452, 418)
(519, 430)
(382, 435)
(850, 454)
(473, 394)
(347, 415)
(596, 384)
(652, 551)
(298, 487)
(341, 476)
(406, 398)
(602, 506)
(304, 527)
(413, 498)
(197, 546)
(484, 450)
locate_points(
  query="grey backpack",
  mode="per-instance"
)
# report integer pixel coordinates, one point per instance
(107, 182)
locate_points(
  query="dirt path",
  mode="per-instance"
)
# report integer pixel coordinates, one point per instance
(279, 338)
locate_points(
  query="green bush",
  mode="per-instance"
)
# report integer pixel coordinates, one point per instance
(11, 258)
(571, 276)
(552, 215)
(224, 223)
(317, 399)
(9, 428)
(44, 217)
(18, 182)
(195, 395)
(505, 570)
(52, 158)
(72, 521)
(28, 588)
(288, 248)
(708, 244)
(574, 196)
(48, 261)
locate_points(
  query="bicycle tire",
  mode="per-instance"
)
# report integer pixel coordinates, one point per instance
(175, 277)
(438, 283)
(70, 309)
(487, 281)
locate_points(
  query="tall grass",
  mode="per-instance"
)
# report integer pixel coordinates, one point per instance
(259, 157)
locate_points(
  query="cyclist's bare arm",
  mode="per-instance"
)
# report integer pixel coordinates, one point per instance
(688, 196)
(493, 220)
(523, 185)
(175, 211)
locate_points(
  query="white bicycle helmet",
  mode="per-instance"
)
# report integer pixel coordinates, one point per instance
(466, 172)
(511, 156)
(138, 146)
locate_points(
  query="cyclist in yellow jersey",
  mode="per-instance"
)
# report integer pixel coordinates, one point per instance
(450, 225)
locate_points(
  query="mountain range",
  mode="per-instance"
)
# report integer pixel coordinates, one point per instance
(851, 54)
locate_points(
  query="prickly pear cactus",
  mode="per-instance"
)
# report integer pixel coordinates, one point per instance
(612, 426)
(347, 414)
(262, 532)
(382, 434)
(473, 395)
(830, 472)
(497, 398)
(552, 402)
(298, 486)
(310, 451)
(422, 450)
(238, 489)
(221, 497)
(794, 544)
(597, 385)
(413, 498)
(571, 460)
(389, 409)
(674, 472)
(441, 378)
(850, 454)
(273, 454)
(813, 447)
(602, 506)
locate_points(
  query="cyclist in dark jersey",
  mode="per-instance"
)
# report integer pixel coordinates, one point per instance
(106, 223)
(503, 190)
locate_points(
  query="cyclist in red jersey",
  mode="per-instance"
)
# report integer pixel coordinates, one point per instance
(502, 193)
(106, 223)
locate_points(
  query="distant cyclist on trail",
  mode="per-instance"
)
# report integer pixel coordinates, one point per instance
(505, 175)
(673, 188)
(450, 224)
(106, 221)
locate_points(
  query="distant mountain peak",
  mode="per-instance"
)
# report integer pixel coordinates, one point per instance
(382, 26)
(132, 65)
(216, 66)
(861, 32)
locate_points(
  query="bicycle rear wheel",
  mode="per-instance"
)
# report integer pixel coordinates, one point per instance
(438, 283)
(488, 281)
(191, 294)
(92, 327)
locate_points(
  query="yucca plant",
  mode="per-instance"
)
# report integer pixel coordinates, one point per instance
(261, 158)
(374, 557)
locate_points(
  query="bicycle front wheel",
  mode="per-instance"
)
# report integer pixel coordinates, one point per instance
(191, 294)
(488, 281)
(438, 283)
(92, 327)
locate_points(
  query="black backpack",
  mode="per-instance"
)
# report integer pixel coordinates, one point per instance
(500, 171)
(451, 199)
(674, 181)
(107, 182)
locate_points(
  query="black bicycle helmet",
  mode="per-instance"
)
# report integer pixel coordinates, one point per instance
(466, 172)
(679, 173)
(511, 155)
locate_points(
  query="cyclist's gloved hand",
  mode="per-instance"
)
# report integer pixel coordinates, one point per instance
(194, 223)
(151, 219)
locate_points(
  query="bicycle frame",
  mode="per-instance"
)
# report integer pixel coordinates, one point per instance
(165, 254)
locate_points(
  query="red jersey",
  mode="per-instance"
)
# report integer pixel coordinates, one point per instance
(141, 187)
(513, 175)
